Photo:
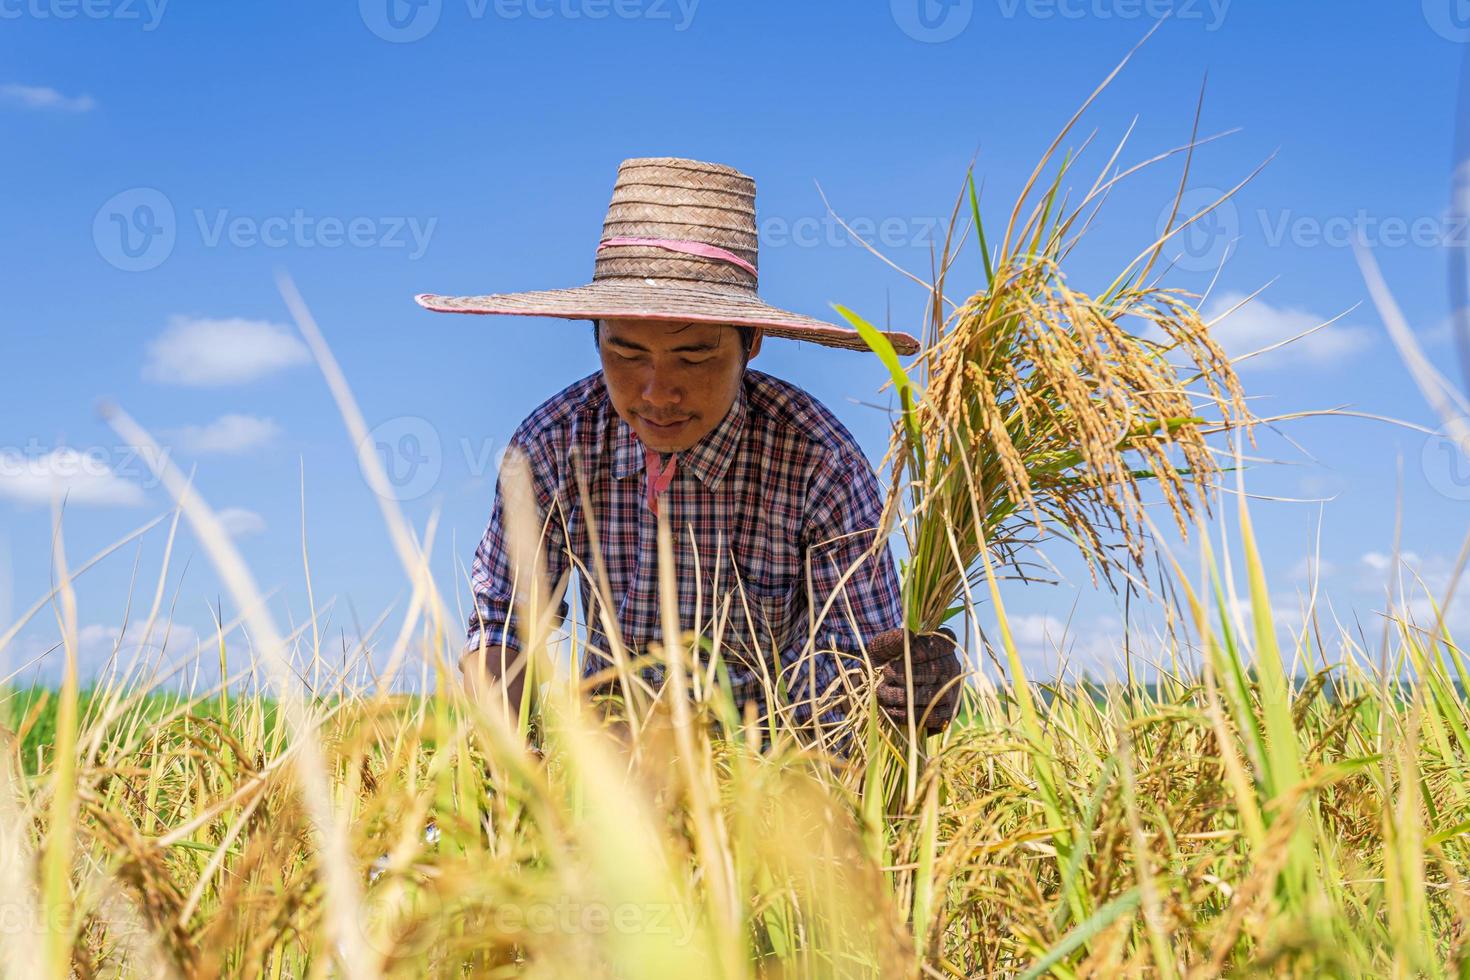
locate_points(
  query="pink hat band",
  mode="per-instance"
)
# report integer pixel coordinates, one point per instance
(702, 249)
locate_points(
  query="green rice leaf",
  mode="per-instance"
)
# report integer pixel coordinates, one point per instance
(881, 346)
(980, 232)
(1124, 904)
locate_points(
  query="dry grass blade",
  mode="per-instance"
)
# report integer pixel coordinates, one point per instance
(338, 866)
(19, 956)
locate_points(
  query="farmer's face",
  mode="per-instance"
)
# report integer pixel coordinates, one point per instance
(673, 382)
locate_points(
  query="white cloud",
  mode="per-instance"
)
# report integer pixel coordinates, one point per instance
(239, 522)
(1424, 580)
(1287, 612)
(1379, 570)
(45, 99)
(1443, 332)
(82, 478)
(1258, 324)
(132, 651)
(1460, 187)
(205, 352)
(1045, 641)
(1036, 629)
(226, 434)
(1377, 561)
(1309, 567)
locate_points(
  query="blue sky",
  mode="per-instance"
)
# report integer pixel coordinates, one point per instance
(464, 146)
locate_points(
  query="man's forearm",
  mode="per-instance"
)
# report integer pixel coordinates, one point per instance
(495, 670)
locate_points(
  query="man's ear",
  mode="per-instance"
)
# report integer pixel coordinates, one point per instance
(755, 343)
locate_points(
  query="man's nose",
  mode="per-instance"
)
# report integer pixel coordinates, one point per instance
(661, 390)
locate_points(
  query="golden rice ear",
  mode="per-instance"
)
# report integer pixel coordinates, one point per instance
(1041, 408)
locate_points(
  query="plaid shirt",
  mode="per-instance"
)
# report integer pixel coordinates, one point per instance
(769, 509)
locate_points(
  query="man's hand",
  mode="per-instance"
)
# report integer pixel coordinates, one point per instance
(935, 672)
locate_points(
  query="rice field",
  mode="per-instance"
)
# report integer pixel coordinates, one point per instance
(1297, 811)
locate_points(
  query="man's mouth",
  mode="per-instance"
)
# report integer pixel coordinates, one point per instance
(672, 426)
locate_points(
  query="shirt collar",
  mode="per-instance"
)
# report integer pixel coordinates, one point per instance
(708, 459)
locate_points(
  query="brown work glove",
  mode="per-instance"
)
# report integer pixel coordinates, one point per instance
(935, 668)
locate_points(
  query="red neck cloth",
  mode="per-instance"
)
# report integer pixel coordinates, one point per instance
(659, 476)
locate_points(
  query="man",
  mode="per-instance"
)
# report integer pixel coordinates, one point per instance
(773, 508)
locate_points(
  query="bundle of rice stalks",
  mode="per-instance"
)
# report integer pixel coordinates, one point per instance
(1037, 407)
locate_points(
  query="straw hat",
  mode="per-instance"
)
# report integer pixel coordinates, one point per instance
(679, 243)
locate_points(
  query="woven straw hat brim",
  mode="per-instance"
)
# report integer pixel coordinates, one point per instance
(644, 299)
